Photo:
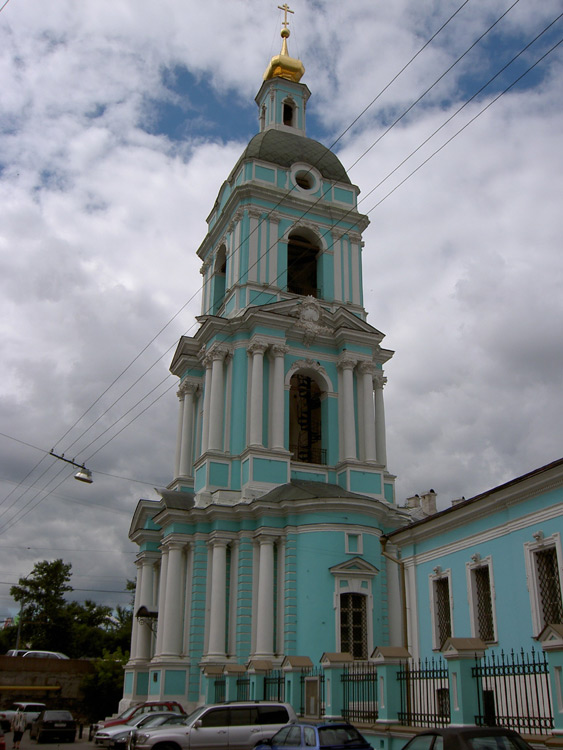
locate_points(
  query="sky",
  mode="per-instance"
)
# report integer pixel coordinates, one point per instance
(119, 121)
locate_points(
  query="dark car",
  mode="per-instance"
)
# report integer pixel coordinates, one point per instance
(333, 735)
(467, 738)
(53, 724)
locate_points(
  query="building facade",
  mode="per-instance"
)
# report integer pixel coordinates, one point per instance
(279, 537)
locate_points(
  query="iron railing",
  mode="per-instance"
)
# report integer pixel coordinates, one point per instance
(360, 692)
(425, 694)
(513, 691)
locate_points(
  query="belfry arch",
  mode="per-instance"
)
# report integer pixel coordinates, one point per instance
(303, 251)
(308, 389)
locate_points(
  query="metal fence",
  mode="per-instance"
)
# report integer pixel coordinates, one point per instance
(513, 691)
(243, 689)
(360, 692)
(425, 693)
(274, 686)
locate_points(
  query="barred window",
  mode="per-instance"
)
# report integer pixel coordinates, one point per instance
(353, 625)
(549, 586)
(485, 626)
(442, 613)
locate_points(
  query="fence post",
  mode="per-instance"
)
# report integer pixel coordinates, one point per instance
(333, 666)
(232, 673)
(460, 654)
(211, 672)
(257, 670)
(388, 660)
(551, 639)
(293, 667)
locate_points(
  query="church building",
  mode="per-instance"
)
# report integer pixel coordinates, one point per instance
(280, 535)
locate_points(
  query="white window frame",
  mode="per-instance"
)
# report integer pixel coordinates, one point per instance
(439, 574)
(530, 548)
(359, 537)
(480, 562)
(354, 577)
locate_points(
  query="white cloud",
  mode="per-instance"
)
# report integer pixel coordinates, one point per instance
(100, 221)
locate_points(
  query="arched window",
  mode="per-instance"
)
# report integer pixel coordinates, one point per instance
(302, 256)
(305, 424)
(218, 283)
(288, 113)
(353, 625)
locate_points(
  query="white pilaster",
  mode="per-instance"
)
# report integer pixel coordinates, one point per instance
(208, 362)
(256, 349)
(346, 365)
(216, 416)
(172, 625)
(216, 643)
(278, 396)
(145, 587)
(189, 390)
(380, 439)
(180, 395)
(265, 610)
(161, 599)
(367, 371)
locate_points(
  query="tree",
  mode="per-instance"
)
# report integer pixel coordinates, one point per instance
(43, 614)
(103, 689)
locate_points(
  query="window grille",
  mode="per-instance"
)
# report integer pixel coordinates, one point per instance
(549, 586)
(485, 622)
(353, 625)
(443, 613)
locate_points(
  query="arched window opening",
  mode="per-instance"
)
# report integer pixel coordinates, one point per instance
(305, 433)
(302, 266)
(219, 276)
(353, 625)
(288, 114)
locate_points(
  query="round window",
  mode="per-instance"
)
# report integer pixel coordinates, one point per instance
(305, 178)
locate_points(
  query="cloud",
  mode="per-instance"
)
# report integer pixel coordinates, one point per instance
(102, 209)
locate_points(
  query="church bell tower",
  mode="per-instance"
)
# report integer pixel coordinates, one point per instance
(284, 378)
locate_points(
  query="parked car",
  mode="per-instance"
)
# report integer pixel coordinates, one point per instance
(238, 725)
(467, 738)
(16, 652)
(44, 655)
(31, 710)
(141, 708)
(116, 735)
(53, 724)
(333, 735)
(2, 740)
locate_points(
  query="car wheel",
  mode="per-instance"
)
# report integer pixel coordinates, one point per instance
(166, 746)
(39, 737)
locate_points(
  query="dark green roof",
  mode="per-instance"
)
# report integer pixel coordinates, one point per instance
(284, 149)
(305, 489)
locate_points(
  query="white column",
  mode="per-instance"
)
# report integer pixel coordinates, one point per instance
(367, 372)
(208, 362)
(277, 412)
(380, 439)
(265, 610)
(180, 395)
(257, 349)
(161, 600)
(189, 390)
(172, 623)
(348, 429)
(217, 612)
(216, 416)
(145, 598)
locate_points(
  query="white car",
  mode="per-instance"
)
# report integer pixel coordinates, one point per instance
(31, 710)
(116, 736)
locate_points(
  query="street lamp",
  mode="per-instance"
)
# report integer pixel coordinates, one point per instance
(83, 474)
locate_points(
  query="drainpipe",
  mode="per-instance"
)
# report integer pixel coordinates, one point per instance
(404, 636)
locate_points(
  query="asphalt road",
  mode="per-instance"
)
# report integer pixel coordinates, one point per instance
(29, 744)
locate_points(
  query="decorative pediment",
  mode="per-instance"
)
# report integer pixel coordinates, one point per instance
(463, 648)
(551, 638)
(355, 567)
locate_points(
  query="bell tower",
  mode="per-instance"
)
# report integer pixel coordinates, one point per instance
(284, 378)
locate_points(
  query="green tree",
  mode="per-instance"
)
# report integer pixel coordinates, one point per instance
(102, 690)
(41, 595)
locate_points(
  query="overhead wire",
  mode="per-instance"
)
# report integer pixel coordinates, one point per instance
(183, 307)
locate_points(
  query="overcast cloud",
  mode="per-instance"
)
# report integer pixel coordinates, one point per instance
(120, 120)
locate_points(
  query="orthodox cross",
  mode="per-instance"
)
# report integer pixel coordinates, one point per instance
(286, 10)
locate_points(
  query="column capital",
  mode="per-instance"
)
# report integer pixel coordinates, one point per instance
(265, 538)
(346, 362)
(172, 543)
(188, 387)
(257, 346)
(255, 213)
(216, 352)
(367, 368)
(148, 557)
(279, 350)
(379, 379)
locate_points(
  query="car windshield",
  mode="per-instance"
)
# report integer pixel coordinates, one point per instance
(57, 716)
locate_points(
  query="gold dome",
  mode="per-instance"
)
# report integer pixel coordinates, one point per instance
(282, 65)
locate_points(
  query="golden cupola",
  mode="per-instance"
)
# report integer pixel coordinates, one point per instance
(282, 65)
